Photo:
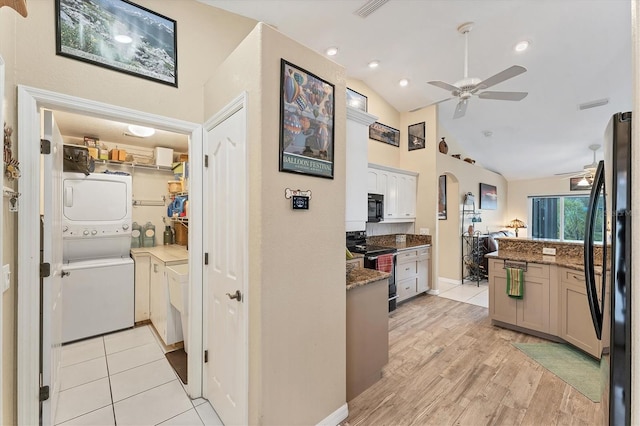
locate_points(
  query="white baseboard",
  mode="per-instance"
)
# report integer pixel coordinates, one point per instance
(449, 280)
(336, 417)
(434, 292)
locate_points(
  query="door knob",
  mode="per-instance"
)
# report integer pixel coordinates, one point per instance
(64, 274)
(237, 295)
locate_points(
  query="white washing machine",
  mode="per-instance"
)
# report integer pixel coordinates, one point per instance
(98, 292)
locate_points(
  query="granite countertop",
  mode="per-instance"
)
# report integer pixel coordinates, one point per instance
(411, 241)
(409, 245)
(571, 262)
(363, 276)
(172, 254)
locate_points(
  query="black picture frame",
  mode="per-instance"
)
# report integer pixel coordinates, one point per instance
(488, 197)
(442, 197)
(307, 115)
(140, 42)
(383, 133)
(416, 136)
(573, 184)
(357, 100)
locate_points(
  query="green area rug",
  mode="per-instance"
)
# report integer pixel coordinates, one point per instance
(574, 367)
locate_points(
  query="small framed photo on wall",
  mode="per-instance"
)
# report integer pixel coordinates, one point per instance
(417, 136)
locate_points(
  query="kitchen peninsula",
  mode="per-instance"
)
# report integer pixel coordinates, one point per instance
(554, 303)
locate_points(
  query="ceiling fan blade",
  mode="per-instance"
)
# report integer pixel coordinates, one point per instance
(434, 103)
(503, 96)
(500, 77)
(461, 109)
(445, 86)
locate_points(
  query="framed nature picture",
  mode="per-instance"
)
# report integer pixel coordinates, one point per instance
(488, 197)
(573, 184)
(383, 133)
(306, 122)
(416, 136)
(442, 197)
(118, 35)
(356, 100)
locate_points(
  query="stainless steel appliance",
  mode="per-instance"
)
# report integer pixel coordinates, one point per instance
(375, 207)
(610, 209)
(357, 243)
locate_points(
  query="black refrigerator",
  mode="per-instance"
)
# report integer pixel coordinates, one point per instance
(609, 220)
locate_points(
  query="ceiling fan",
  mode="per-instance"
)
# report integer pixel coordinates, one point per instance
(588, 170)
(467, 87)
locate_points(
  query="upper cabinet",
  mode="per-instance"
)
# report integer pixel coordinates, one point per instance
(356, 167)
(399, 188)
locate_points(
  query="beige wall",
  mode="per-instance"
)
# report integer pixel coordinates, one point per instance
(469, 177)
(205, 37)
(296, 292)
(8, 18)
(521, 190)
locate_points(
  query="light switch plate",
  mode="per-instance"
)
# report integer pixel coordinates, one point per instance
(549, 251)
(6, 277)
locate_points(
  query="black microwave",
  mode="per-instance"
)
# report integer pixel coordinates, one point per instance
(376, 207)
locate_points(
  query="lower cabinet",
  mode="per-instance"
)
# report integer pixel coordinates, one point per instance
(532, 311)
(412, 272)
(576, 326)
(165, 318)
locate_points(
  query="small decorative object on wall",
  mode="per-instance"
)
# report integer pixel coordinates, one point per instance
(417, 136)
(442, 197)
(442, 146)
(306, 122)
(11, 165)
(580, 183)
(119, 35)
(383, 133)
(488, 197)
(356, 100)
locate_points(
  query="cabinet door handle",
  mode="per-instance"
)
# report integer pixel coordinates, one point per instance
(406, 269)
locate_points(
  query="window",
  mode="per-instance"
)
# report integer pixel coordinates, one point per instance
(563, 218)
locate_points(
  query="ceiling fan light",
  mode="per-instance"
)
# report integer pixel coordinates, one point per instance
(583, 182)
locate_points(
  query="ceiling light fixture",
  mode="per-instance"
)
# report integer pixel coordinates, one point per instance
(404, 82)
(141, 131)
(123, 38)
(522, 46)
(332, 51)
(583, 182)
(374, 64)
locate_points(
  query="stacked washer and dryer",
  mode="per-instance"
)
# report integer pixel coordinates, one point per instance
(98, 293)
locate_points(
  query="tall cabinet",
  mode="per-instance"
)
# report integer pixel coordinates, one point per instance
(356, 168)
(399, 188)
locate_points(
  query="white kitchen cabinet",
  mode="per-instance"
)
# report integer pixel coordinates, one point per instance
(142, 276)
(399, 188)
(412, 271)
(356, 166)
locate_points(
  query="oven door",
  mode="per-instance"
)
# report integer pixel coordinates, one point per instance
(371, 262)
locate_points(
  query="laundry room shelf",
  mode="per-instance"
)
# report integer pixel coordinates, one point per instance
(135, 165)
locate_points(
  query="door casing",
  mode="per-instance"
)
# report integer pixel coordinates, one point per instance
(30, 101)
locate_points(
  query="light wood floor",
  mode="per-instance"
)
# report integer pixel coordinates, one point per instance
(449, 366)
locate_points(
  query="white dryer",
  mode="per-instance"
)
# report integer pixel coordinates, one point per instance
(98, 294)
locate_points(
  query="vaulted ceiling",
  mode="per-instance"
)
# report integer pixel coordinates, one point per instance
(580, 51)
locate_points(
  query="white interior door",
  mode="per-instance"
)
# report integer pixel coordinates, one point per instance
(51, 336)
(226, 243)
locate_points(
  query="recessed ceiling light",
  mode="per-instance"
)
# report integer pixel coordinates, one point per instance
(332, 51)
(374, 64)
(404, 82)
(522, 46)
(141, 131)
(122, 38)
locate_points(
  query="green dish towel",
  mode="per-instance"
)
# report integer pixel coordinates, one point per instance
(515, 283)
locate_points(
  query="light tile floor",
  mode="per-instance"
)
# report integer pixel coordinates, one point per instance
(468, 292)
(124, 379)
